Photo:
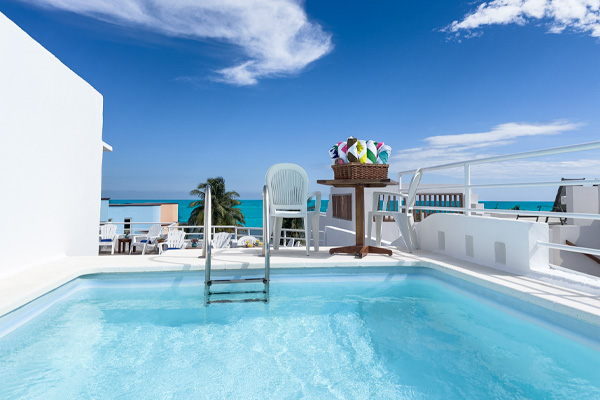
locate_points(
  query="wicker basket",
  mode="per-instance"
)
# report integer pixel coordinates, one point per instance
(360, 171)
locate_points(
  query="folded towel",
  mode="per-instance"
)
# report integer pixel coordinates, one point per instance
(383, 153)
(361, 146)
(371, 152)
(338, 153)
(343, 152)
(333, 153)
(106, 240)
(352, 149)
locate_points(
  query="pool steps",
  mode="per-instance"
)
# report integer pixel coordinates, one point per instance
(208, 282)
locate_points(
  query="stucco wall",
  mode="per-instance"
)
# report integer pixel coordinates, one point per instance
(50, 157)
(508, 245)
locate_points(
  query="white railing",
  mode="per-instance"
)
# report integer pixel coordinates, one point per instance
(142, 227)
(197, 231)
(468, 188)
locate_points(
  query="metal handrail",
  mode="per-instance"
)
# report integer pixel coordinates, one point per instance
(207, 242)
(266, 240)
(516, 156)
(468, 187)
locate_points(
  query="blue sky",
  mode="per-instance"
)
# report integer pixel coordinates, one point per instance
(198, 89)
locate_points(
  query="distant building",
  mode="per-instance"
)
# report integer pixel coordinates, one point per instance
(165, 213)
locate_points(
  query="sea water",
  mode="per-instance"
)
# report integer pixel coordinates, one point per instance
(252, 209)
(395, 336)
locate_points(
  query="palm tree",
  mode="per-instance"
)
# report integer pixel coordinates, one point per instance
(223, 204)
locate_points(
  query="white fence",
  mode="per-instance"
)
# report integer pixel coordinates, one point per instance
(197, 232)
(468, 188)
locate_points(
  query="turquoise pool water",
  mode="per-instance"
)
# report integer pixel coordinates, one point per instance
(389, 334)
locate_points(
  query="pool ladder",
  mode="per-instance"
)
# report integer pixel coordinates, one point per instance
(266, 252)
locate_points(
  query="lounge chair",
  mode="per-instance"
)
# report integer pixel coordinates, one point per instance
(404, 219)
(108, 236)
(221, 240)
(287, 185)
(175, 241)
(148, 240)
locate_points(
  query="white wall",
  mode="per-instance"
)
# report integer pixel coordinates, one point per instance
(583, 200)
(508, 245)
(50, 157)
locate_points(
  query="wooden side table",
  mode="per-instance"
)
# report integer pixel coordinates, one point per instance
(359, 185)
(121, 244)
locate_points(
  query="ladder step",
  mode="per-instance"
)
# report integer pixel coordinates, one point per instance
(239, 292)
(238, 301)
(244, 280)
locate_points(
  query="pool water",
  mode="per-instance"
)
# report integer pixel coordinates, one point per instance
(383, 335)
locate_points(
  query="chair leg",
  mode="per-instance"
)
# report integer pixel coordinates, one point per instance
(112, 248)
(315, 230)
(402, 222)
(277, 232)
(144, 248)
(369, 227)
(306, 230)
(378, 223)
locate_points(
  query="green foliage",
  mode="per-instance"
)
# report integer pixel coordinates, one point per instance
(517, 207)
(293, 223)
(223, 204)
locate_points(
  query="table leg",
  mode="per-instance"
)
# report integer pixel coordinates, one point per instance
(359, 250)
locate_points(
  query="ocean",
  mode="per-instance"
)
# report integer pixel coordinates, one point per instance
(252, 209)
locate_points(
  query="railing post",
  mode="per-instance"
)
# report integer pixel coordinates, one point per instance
(467, 202)
(207, 221)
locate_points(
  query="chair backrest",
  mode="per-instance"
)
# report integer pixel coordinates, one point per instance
(108, 231)
(412, 188)
(175, 239)
(154, 231)
(288, 187)
(221, 240)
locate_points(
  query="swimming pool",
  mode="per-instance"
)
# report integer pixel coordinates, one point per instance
(408, 333)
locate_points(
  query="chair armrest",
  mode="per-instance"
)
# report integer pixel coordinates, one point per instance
(317, 196)
(385, 194)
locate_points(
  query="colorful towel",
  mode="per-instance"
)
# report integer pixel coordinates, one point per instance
(361, 147)
(352, 149)
(383, 153)
(371, 152)
(338, 153)
(363, 151)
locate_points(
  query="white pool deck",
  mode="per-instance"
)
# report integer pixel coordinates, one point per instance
(576, 298)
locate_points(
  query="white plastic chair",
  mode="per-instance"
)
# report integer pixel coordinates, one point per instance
(147, 240)
(175, 241)
(287, 185)
(221, 240)
(404, 220)
(108, 236)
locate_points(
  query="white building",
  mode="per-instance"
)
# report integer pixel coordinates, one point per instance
(51, 155)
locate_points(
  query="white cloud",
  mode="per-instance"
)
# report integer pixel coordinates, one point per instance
(447, 149)
(275, 35)
(502, 132)
(579, 15)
